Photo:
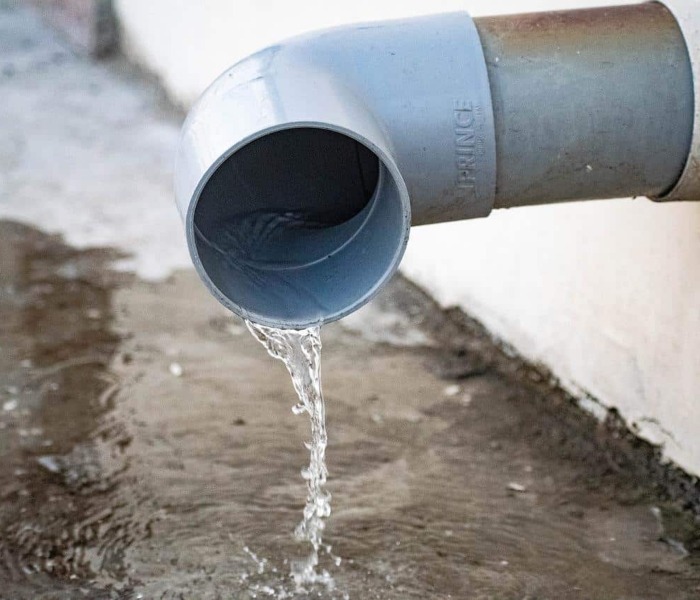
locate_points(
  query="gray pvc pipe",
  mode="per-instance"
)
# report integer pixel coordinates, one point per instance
(301, 169)
(594, 103)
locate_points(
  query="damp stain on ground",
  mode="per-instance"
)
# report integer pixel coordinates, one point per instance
(149, 451)
(59, 517)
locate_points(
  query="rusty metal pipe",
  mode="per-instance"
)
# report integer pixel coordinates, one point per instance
(594, 103)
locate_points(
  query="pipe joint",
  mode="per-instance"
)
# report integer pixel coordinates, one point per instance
(687, 14)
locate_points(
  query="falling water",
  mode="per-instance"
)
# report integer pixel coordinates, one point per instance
(253, 246)
(300, 351)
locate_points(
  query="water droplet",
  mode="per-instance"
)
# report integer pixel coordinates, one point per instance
(175, 369)
(451, 390)
(50, 463)
(93, 313)
(516, 487)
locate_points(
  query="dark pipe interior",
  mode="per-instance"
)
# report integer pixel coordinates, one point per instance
(323, 173)
(290, 228)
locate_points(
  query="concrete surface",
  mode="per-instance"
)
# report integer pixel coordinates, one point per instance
(97, 166)
(605, 294)
(455, 473)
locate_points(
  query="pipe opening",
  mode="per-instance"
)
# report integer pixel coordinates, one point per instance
(299, 227)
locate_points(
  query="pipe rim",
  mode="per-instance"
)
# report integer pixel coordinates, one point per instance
(387, 164)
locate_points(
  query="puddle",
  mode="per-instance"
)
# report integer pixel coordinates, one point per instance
(125, 477)
(59, 512)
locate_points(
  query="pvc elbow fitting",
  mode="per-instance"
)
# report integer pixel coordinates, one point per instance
(301, 169)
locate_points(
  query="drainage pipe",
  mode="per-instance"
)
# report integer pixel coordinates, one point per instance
(302, 168)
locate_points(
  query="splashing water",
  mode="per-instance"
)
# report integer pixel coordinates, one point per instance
(300, 351)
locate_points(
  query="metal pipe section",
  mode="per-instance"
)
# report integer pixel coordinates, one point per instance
(588, 104)
(301, 169)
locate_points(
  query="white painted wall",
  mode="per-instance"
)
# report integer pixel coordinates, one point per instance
(606, 294)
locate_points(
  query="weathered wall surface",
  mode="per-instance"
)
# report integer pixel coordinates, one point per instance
(606, 294)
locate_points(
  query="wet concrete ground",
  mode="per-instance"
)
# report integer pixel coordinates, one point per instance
(122, 478)
(147, 445)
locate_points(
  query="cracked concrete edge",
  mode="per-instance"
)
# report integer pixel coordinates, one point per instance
(90, 26)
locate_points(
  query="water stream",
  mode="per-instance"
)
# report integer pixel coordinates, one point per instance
(300, 351)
